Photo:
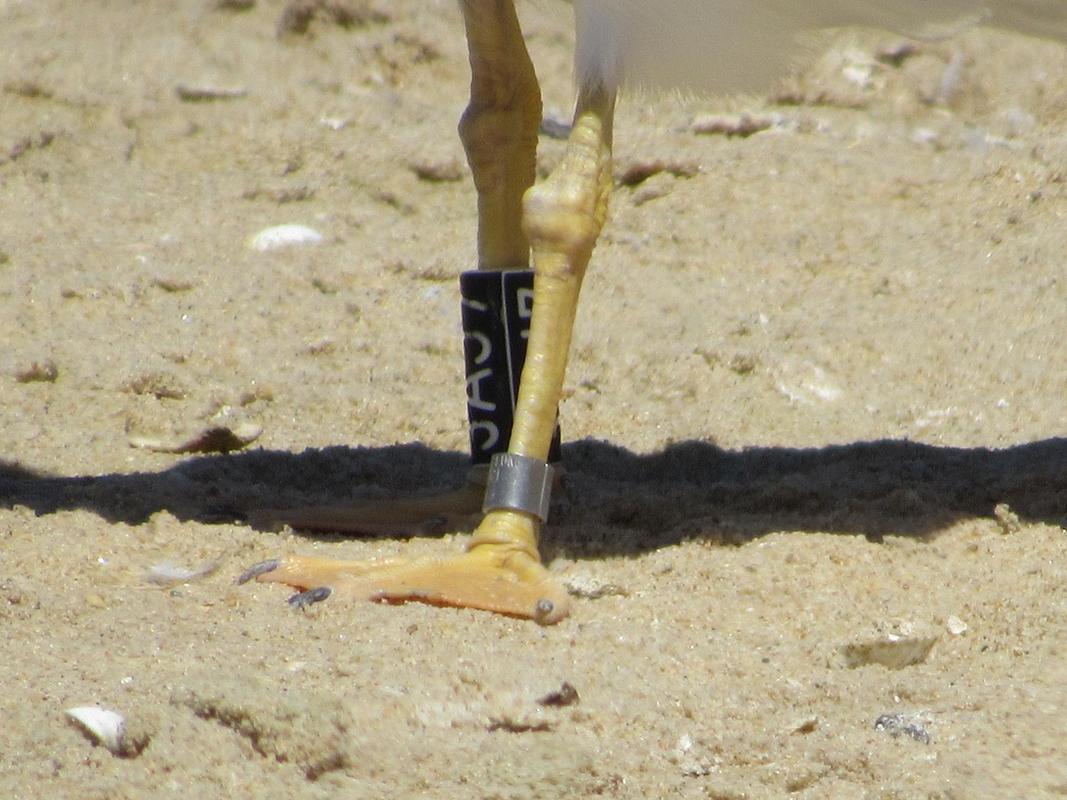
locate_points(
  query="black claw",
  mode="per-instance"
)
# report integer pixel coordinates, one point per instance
(542, 610)
(258, 569)
(310, 597)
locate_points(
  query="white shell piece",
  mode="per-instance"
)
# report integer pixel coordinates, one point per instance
(956, 626)
(279, 236)
(103, 725)
(167, 573)
(805, 383)
(893, 651)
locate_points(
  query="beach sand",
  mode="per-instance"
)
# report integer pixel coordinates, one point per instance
(813, 420)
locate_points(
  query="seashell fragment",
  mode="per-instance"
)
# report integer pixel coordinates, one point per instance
(103, 726)
(806, 383)
(281, 236)
(956, 626)
(209, 439)
(167, 573)
(893, 650)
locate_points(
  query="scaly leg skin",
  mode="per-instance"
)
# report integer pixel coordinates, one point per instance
(501, 570)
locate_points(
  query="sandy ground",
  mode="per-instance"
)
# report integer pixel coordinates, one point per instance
(816, 400)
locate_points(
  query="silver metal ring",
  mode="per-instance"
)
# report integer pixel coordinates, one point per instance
(519, 483)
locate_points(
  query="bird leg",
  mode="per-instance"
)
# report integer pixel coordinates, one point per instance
(499, 129)
(499, 133)
(501, 570)
(563, 217)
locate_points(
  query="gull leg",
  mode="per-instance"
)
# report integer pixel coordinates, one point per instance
(501, 570)
(499, 133)
(563, 218)
(499, 129)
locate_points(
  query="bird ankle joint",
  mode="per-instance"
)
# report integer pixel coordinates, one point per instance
(519, 483)
(560, 225)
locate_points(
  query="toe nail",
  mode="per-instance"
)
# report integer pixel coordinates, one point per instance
(543, 609)
(310, 597)
(258, 569)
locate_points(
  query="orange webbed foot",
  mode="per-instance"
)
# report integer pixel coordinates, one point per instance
(491, 576)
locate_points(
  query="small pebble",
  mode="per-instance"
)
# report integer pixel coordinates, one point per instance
(587, 587)
(438, 171)
(335, 123)
(1007, 520)
(281, 236)
(911, 725)
(897, 53)
(688, 757)
(566, 695)
(638, 172)
(806, 725)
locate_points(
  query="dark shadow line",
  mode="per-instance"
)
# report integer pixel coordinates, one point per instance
(613, 501)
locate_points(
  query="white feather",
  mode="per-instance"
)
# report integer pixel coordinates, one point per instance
(742, 45)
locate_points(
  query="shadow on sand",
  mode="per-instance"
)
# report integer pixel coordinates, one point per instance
(613, 502)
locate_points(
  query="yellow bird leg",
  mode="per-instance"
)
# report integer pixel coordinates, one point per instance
(563, 218)
(499, 133)
(499, 129)
(501, 570)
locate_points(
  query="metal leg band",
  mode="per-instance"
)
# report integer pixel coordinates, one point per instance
(519, 483)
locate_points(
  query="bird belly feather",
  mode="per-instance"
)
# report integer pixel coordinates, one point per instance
(742, 45)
